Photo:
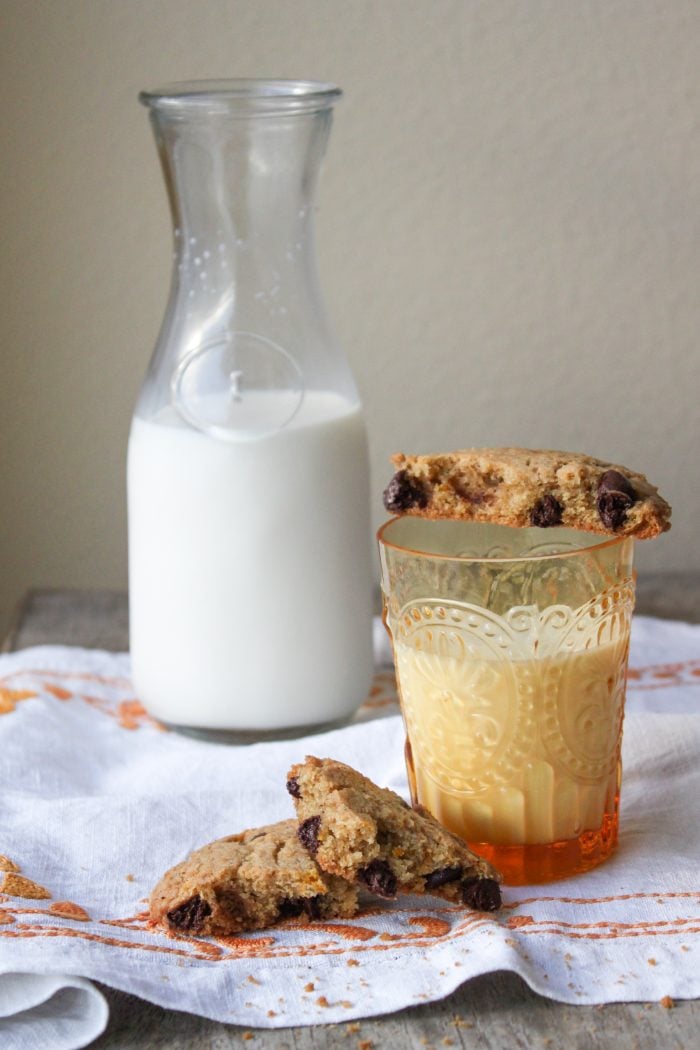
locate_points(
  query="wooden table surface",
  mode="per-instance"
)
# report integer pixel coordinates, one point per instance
(497, 1011)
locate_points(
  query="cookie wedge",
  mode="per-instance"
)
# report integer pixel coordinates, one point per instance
(368, 835)
(247, 882)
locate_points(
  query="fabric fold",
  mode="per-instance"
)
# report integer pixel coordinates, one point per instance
(39, 1011)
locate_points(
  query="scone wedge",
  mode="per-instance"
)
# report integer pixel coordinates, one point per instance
(368, 835)
(247, 882)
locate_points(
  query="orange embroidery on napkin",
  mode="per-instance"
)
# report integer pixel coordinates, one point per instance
(660, 676)
(131, 714)
(516, 921)
(661, 897)
(9, 698)
(68, 910)
(6, 864)
(18, 886)
(202, 951)
(652, 927)
(431, 926)
(246, 945)
(132, 920)
(344, 930)
(434, 930)
(78, 676)
(382, 692)
(58, 691)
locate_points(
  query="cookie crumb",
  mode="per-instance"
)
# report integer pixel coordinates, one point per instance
(353, 1027)
(309, 987)
(6, 864)
(272, 1013)
(459, 1022)
(6, 918)
(252, 980)
(322, 1001)
(352, 962)
(129, 878)
(652, 962)
(447, 1041)
(247, 1036)
(667, 1002)
(365, 1044)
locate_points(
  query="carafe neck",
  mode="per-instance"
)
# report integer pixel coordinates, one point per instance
(241, 161)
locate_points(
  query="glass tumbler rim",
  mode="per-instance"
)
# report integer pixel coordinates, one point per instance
(602, 543)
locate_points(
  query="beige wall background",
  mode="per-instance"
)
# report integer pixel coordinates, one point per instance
(509, 234)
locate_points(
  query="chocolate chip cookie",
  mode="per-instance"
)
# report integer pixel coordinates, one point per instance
(249, 881)
(523, 487)
(370, 836)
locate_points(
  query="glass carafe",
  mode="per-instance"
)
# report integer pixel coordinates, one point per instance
(250, 577)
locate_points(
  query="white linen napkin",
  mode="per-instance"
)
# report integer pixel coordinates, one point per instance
(98, 801)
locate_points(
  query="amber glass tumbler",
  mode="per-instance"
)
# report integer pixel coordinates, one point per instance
(510, 647)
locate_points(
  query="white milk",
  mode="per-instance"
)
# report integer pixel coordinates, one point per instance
(250, 579)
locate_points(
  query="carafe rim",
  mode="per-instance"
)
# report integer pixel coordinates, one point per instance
(242, 95)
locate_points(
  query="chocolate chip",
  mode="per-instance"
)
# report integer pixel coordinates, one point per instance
(189, 916)
(404, 492)
(312, 906)
(379, 878)
(481, 894)
(612, 509)
(443, 875)
(614, 481)
(614, 499)
(308, 833)
(546, 512)
(293, 787)
(290, 907)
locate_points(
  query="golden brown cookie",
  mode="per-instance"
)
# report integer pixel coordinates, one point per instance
(369, 835)
(525, 487)
(249, 881)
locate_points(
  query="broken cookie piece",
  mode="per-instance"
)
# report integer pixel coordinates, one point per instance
(369, 835)
(249, 881)
(524, 487)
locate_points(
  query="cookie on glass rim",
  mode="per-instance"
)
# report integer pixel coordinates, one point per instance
(528, 487)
